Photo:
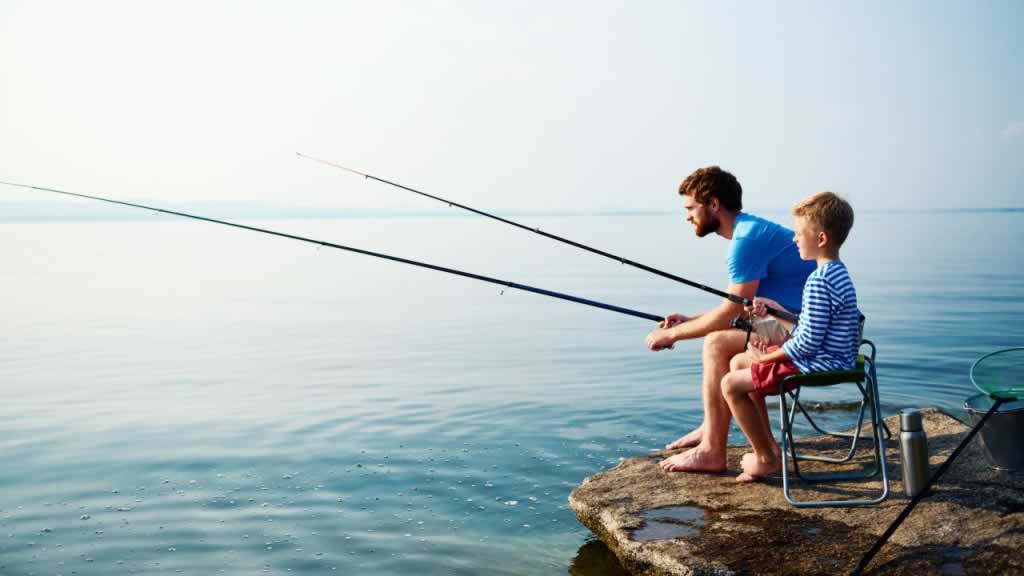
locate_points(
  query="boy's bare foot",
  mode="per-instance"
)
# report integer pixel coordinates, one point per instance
(695, 460)
(688, 440)
(754, 466)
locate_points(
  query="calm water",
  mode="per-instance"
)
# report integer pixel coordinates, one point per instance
(184, 398)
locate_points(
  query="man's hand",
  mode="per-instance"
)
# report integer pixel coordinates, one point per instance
(671, 320)
(660, 339)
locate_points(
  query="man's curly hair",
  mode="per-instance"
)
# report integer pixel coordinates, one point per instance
(713, 182)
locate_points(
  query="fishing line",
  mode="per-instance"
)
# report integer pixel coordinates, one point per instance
(731, 297)
(504, 283)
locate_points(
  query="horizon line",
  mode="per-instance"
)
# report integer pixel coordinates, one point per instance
(42, 211)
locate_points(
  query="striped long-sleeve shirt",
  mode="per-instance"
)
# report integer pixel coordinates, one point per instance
(825, 337)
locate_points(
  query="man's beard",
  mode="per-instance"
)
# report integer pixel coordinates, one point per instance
(707, 226)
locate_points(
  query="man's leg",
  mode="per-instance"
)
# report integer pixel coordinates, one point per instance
(693, 437)
(709, 454)
(688, 440)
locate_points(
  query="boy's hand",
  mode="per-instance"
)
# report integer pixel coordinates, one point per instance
(755, 352)
(760, 304)
(756, 342)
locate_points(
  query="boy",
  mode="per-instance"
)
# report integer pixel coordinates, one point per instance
(825, 337)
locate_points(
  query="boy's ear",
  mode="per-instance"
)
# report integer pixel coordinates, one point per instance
(823, 239)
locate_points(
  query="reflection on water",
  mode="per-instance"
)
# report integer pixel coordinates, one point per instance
(595, 559)
(181, 398)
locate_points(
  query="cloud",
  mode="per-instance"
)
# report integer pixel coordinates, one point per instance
(1014, 130)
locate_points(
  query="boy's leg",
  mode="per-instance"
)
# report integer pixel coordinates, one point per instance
(736, 387)
(759, 401)
(743, 361)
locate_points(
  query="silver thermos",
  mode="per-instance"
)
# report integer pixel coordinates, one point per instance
(913, 452)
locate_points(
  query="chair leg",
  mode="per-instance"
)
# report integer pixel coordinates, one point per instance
(855, 436)
(879, 438)
(878, 448)
(789, 432)
(785, 423)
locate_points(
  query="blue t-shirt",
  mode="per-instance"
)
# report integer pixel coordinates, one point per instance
(763, 250)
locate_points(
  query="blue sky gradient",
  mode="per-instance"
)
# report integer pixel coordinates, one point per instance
(528, 106)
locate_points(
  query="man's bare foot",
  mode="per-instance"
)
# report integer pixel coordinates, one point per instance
(754, 466)
(695, 460)
(688, 441)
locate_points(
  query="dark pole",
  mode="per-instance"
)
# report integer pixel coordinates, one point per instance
(726, 295)
(497, 281)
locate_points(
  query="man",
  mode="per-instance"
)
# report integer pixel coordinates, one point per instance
(762, 261)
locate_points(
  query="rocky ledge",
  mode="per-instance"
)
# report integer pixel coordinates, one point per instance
(678, 523)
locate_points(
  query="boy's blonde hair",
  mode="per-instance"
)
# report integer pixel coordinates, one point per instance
(829, 213)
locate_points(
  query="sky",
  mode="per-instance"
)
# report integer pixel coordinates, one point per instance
(517, 106)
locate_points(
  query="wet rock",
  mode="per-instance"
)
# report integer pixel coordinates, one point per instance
(678, 523)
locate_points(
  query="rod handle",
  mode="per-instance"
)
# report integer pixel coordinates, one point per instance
(782, 314)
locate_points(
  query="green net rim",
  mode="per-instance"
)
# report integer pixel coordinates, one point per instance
(1011, 393)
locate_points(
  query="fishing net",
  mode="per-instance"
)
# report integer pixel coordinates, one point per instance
(1000, 374)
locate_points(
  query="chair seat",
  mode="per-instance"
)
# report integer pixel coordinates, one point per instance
(830, 378)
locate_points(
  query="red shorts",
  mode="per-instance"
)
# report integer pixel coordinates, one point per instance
(767, 377)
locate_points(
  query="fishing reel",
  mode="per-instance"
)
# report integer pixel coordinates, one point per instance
(743, 324)
(768, 329)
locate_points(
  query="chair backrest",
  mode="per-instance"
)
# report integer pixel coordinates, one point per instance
(861, 342)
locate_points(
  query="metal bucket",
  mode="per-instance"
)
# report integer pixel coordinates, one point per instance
(1003, 434)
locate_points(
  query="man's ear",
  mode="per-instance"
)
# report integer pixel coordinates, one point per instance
(714, 204)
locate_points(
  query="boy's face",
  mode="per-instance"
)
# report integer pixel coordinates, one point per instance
(809, 240)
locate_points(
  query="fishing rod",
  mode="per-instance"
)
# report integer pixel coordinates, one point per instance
(731, 297)
(924, 493)
(503, 283)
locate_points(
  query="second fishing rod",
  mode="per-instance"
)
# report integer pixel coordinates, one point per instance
(502, 283)
(731, 297)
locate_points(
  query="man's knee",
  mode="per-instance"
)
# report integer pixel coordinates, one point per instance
(722, 344)
(737, 362)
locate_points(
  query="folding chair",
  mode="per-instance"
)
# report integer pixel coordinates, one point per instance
(865, 378)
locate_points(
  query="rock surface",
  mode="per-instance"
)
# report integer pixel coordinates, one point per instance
(679, 523)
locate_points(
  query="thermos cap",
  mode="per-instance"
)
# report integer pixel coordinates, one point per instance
(910, 420)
